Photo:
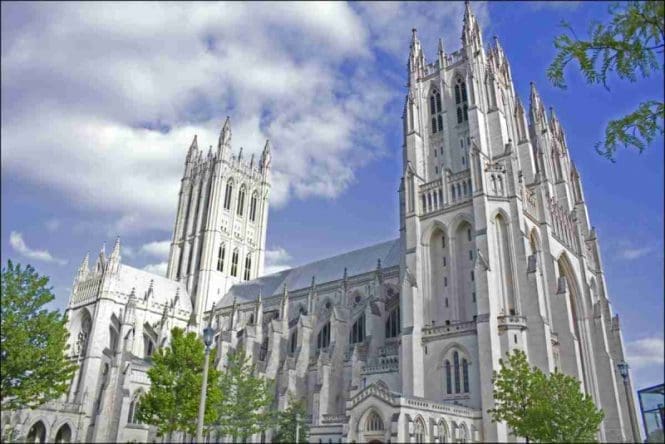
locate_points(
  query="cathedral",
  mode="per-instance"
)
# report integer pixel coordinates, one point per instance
(393, 342)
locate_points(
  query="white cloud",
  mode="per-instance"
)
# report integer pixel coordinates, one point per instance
(634, 253)
(120, 92)
(159, 249)
(276, 260)
(159, 268)
(19, 245)
(645, 352)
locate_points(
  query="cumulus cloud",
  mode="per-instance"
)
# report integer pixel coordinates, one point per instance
(645, 352)
(276, 260)
(19, 245)
(118, 94)
(159, 249)
(158, 268)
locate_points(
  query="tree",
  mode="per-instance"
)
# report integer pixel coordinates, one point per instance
(540, 407)
(292, 419)
(244, 407)
(630, 46)
(33, 341)
(172, 403)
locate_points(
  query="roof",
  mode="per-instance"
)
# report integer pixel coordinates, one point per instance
(163, 289)
(326, 270)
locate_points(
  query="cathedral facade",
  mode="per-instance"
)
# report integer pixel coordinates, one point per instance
(394, 342)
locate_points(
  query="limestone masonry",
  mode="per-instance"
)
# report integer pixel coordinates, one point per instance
(392, 342)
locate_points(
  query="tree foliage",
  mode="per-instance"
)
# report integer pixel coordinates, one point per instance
(630, 46)
(172, 403)
(540, 407)
(33, 341)
(244, 406)
(293, 418)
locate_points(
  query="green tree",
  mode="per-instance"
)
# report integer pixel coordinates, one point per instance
(33, 341)
(244, 407)
(630, 46)
(292, 419)
(540, 407)
(172, 403)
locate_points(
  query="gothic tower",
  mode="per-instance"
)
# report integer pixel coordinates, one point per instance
(497, 249)
(220, 227)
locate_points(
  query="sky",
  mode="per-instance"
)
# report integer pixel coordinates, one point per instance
(100, 102)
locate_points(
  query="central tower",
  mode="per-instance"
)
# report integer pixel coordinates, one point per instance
(220, 228)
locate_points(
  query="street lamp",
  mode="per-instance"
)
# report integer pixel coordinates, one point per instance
(208, 333)
(623, 371)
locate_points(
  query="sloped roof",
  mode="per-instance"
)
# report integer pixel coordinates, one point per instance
(326, 270)
(163, 289)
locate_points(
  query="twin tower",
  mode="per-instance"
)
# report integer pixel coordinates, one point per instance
(220, 228)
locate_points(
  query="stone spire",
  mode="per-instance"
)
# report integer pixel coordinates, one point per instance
(264, 163)
(537, 109)
(416, 58)
(224, 136)
(471, 30)
(284, 306)
(101, 259)
(310, 297)
(114, 258)
(83, 269)
(442, 54)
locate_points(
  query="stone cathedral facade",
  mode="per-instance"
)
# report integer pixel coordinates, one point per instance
(395, 342)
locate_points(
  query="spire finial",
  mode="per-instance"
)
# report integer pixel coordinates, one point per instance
(225, 134)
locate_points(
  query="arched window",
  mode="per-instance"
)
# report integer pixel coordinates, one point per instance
(133, 407)
(449, 382)
(323, 338)
(220, 257)
(374, 422)
(148, 345)
(234, 263)
(456, 370)
(248, 266)
(419, 431)
(461, 101)
(241, 201)
(293, 341)
(443, 431)
(393, 323)
(64, 434)
(37, 433)
(228, 194)
(435, 111)
(465, 375)
(113, 339)
(358, 330)
(252, 208)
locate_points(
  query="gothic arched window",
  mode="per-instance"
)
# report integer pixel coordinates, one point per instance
(374, 422)
(252, 208)
(465, 375)
(323, 338)
(358, 330)
(393, 323)
(248, 266)
(419, 431)
(220, 257)
(449, 382)
(293, 341)
(133, 406)
(241, 201)
(456, 371)
(228, 194)
(435, 111)
(234, 263)
(461, 100)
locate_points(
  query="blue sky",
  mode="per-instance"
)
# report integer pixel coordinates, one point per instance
(100, 103)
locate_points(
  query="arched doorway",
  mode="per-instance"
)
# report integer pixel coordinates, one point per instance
(64, 434)
(37, 433)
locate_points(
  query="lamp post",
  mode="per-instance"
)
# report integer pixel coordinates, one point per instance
(207, 340)
(623, 371)
(297, 427)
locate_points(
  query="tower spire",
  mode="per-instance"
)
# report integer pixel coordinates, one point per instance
(264, 163)
(224, 136)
